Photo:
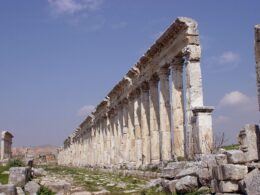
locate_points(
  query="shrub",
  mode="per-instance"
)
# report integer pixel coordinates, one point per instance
(15, 163)
(45, 191)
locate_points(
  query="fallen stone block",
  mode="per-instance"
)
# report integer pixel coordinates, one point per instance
(169, 185)
(204, 176)
(172, 169)
(192, 171)
(20, 191)
(19, 176)
(187, 184)
(59, 187)
(221, 159)
(251, 183)
(8, 189)
(31, 187)
(229, 172)
(228, 186)
(38, 172)
(236, 157)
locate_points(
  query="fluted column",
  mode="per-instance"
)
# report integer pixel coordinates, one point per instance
(154, 120)
(112, 136)
(126, 137)
(121, 141)
(178, 108)
(131, 130)
(108, 140)
(194, 96)
(145, 126)
(137, 122)
(165, 114)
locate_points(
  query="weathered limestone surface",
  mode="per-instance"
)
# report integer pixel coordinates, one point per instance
(146, 119)
(19, 176)
(230, 172)
(6, 145)
(251, 183)
(249, 140)
(8, 189)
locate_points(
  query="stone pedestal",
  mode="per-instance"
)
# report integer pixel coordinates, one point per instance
(202, 130)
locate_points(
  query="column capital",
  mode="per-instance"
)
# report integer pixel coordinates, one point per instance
(154, 79)
(177, 63)
(125, 101)
(164, 72)
(145, 86)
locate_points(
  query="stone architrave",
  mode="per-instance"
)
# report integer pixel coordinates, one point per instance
(165, 116)
(6, 145)
(257, 59)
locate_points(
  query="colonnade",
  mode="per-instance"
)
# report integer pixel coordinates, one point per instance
(154, 114)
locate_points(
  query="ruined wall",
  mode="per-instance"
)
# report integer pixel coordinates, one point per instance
(149, 116)
(6, 145)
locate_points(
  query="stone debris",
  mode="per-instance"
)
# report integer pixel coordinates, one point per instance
(8, 189)
(230, 172)
(236, 157)
(31, 187)
(38, 172)
(21, 192)
(251, 183)
(187, 184)
(19, 176)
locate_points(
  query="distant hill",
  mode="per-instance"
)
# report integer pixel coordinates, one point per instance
(34, 150)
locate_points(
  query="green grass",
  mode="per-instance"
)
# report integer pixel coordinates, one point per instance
(4, 177)
(231, 147)
(93, 180)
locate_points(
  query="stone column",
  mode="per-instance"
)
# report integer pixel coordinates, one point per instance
(194, 96)
(112, 136)
(165, 114)
(131, 129)
(145, 126)
(108, 140)
(121, 141)
(137, 121)
(257, 58)
(126, 138)
(154, 120)
(178, 108)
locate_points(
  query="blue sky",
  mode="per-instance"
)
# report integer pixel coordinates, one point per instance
(59, 58)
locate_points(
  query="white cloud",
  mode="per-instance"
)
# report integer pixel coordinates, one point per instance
(85, 110)
(229, 57)
(234, 98)
(74, 6)
(222, 119)
(224, 62)
(235, 110)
